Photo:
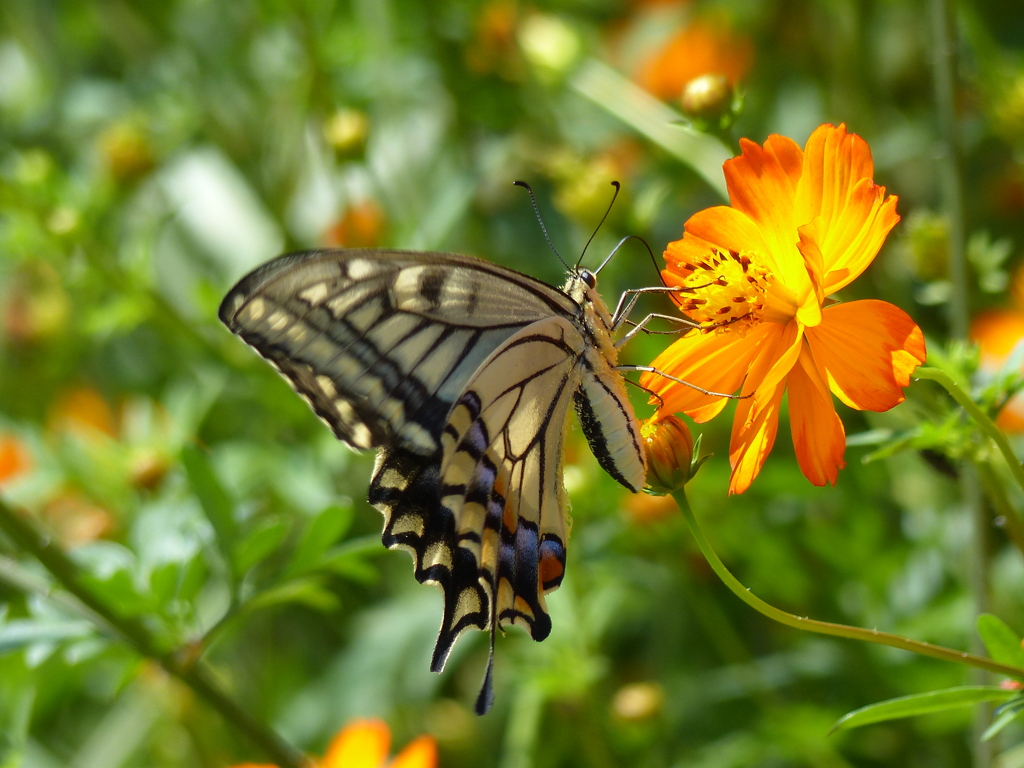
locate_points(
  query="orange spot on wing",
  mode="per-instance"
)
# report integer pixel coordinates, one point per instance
(551, 568)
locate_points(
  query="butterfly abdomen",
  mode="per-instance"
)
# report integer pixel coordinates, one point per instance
(602, 404)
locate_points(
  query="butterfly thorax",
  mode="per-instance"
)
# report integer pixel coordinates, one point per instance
(594, 317)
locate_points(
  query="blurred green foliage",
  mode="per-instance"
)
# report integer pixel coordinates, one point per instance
(151, 153)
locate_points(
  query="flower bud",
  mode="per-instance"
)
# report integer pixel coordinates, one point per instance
(708, 98)
(346, 131)
(669, 448)
(127, 152)
(550, 45)
(638, 701)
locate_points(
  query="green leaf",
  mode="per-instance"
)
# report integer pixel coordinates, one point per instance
(1005, 715)
(214, 499)
(193, 578)
(355, 568)
(163, 581)
(19, 633)
(259, 543)
(348, 559)
(323, 530)
(1002, 643)
(922, 704)
(308, 591)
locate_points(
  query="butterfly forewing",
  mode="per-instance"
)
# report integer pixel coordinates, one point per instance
(462, 373)
(381, 343)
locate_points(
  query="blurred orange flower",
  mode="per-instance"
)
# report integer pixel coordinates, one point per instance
(82, 411)
(704, 47)
(493, 47)
(644, 509)
(997, 332)
(75, 520)
(803, 224)
(14, 458)
(365, 744)
(360, 226)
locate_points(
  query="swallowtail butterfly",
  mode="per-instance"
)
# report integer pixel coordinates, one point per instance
(460, 373)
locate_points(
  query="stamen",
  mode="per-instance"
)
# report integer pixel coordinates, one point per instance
(734, 296)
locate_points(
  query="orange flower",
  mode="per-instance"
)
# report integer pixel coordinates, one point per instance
(14, 458)
(360, 226)
(84, 412)
(701, 48)
(997, 332)
(365, 744)
(803, 224)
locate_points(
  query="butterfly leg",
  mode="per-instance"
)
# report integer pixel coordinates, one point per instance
(651, 392)
(686, 325)
(629, 298)
(670, 377)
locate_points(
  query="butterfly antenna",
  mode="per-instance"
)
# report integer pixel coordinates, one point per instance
(600, 224)
(540, 221)
(654, 261)
(622, 242)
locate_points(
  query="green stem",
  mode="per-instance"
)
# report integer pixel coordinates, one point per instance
(950, 159)
(985, 424)
(951, 184)
(827, 627)
(996, 493)
(134, 632)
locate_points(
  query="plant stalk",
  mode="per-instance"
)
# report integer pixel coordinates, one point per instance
(132, 631)
(978, 416)
(827, 627)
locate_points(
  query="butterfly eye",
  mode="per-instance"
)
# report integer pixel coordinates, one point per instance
(589, 278)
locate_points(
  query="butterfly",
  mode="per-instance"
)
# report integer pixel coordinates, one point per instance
(460, 373)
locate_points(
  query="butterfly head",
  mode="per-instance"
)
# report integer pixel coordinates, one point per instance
(581, 286)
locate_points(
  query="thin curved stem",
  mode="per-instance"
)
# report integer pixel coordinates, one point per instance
(827, 627)
(985, 424)
(193, 673)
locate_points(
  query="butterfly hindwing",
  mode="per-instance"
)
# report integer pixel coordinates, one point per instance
(502, 468)
(405, 487)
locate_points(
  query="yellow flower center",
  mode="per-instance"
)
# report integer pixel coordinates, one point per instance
(725, 288)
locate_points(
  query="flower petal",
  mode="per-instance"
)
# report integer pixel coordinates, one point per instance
(818, 435)
(360, 744)
(721, 227)
(753, 435)
(780, 353)
(717, 362)
(869, 350)
(833, 162)
(851, 213)
(857, 233)
(763, 184)
(757, 417)
(418, 753)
